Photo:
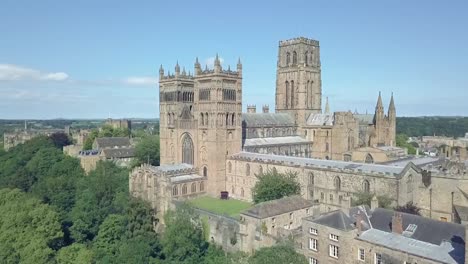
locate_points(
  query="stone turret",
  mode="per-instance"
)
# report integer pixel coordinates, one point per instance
(217, 64)
(197, 67)
(177, 69)
(239, 67)
(327, 107)
(266, 109)
(252, 109)
(161, 72)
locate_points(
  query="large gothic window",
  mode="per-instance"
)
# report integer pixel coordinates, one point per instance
(288, 59)
(187, 150)
(205, 172)
(193, 188)
(175, 191)
(184, 189)
(337, 183)
(311, 178)
(294, 58)
(369, 158)
(306, 58)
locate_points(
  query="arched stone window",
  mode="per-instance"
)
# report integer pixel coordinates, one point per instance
(337, 183)
(175, 191)
(202, 187)
(369, 159)
(292, 94)
(366, 186)
(233, 190)
(260, 170)
(202, 119)
(184, 189)
(288, 58)
(193, 188)
(347, 157)
(294, 58)
(306, 58)
(187, 149)
(229, 167)
(287, 94)
(206, 119)
(242, 192)
(311, 178)
(205, 172)
(247, 169)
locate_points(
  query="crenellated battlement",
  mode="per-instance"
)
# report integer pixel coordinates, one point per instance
(299, 40)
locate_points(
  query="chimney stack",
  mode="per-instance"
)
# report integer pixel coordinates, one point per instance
(397, 223)
(374, 203)
(266, 109)
(359, 220)
(252, 109)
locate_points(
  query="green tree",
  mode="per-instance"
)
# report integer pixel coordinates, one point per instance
(363, 198)
(75, 254)
(111, 233)
(409, 208)
(60, 140)
(402, 141)
(27, 228)
(183, 240)
(147, 150)
(284, 254)
(273, 185)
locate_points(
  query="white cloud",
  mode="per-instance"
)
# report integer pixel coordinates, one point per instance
(142, 80)
(9, 72)
(57, 76)
(210, 61)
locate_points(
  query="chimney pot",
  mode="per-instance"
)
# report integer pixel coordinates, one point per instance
(397, 223)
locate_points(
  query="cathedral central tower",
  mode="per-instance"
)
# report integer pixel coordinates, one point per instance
(298, 79)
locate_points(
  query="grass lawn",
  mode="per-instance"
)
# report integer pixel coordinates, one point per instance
(230, 207)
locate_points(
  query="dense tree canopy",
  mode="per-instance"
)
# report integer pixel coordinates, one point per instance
(409, 208)
(27, 228)
(273, 185)
(402, 141)
(147, 150)
(428, 126)
(283, 254)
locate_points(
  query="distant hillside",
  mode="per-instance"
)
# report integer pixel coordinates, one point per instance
(433, 125)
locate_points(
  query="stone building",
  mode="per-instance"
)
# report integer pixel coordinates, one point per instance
(116, 149)
(119, 123)
(362, 235)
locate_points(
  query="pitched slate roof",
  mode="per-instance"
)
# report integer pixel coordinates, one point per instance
(334, 219)
(267, 119)
(250, 142)
(364, 119)
(427, 230)
(119, 153)
(320, 119)
(446, 252)
(278, 207)
(112, 142)
(288, 160)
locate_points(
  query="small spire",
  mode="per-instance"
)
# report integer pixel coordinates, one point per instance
(196, 60)
(217, 62)
(379, 102)
(177, 67)
(327, 107)
(183, 71)
(239, 62)
(229, 67)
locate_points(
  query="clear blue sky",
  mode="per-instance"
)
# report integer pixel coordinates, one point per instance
(94, 59)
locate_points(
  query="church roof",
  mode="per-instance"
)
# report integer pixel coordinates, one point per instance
(336, 164)
(320, 120)
(364, 119)
(267, 119)
(251, 142)
(278, 207)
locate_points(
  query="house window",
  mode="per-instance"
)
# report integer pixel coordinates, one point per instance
(378, 259)
(333, 237)
(333, 251)
(361, 254)
(313, 244)
(331, 197)
(313, 231)
(313, 261)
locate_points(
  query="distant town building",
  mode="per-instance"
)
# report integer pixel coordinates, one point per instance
(119, 123)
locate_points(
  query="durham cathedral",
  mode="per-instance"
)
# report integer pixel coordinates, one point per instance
(209, 146)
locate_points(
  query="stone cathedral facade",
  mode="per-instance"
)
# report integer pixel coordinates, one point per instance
(209, 146)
